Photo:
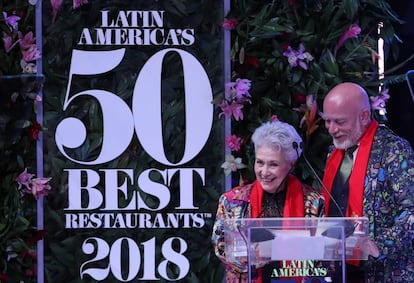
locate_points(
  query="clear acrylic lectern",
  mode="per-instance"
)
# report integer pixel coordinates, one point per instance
(283, 249)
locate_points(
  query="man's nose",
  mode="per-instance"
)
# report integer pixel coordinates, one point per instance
(332, 128)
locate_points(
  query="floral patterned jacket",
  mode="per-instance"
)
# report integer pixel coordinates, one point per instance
(235, 204)
(389, 205)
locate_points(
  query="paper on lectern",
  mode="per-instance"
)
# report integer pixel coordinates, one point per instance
(297, 245)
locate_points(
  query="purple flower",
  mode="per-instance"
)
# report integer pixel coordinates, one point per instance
(238, 90)
(291, 55)
(78, 3)
(298, 57)
(352, 32)
(11, 21)
(233, 142)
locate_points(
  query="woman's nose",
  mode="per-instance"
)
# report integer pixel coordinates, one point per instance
(265, 170)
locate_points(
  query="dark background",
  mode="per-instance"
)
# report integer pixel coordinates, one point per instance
(401, 106)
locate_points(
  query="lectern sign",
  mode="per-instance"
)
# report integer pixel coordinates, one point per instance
(132, 141)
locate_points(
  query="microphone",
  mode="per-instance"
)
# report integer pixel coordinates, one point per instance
(253, 270)
(331, 232)
(309, 165)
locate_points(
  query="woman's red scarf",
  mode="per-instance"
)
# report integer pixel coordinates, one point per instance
(357, 178)
(294, 204)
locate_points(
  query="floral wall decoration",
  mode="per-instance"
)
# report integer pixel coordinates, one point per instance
(286, 55)
(20, 188)
(19, 52)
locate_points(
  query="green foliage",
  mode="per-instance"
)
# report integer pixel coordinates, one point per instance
(18, 151)
(266, 28)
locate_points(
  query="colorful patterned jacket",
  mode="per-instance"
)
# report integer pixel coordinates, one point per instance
(389, 205)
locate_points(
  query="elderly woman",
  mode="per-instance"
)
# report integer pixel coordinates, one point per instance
(274, 193)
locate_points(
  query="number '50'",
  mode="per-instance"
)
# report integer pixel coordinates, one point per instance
(119, 120)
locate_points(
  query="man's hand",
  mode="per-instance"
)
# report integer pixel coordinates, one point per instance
(369, 247)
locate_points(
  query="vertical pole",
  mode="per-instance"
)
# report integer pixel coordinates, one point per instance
(381, 60)
(227, 78)
(39, 145)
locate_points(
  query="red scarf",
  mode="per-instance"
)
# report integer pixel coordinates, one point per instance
(294, 204)
(357, 178)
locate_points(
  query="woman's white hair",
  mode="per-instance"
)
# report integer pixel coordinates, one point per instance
(279, 136)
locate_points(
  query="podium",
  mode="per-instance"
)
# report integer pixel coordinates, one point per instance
(284, 249)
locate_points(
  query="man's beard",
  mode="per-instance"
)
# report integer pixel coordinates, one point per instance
(351, 140)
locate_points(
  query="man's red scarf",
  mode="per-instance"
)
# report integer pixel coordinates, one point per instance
(356, 180)
(294, 204)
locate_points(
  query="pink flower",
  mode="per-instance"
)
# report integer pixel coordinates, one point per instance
(378, 102)
(55, 7)
(78, 3)
(352, 32)
(234, 109)
(11, 21)
(230, 24)
(233, 142)
(26, 41)
(274, 118)
(31, 54)
(24, 179)
(8, 42)
(37, 186)
(40, 187)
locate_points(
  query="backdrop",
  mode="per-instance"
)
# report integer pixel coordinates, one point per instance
(133, 143)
